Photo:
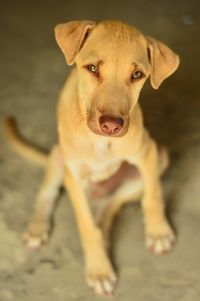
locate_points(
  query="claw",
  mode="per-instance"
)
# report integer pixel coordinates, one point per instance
(162, 242)
(103, 285)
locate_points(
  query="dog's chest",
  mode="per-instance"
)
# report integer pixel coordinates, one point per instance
(99, 165)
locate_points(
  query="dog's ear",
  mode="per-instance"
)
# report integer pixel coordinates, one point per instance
(163, 61)
(70, 37)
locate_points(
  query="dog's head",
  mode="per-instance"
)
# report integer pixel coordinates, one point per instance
(113, 61)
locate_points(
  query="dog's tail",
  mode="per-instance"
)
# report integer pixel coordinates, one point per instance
(21, 145)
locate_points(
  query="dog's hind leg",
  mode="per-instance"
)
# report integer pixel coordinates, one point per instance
(39, 227)
(129, 191)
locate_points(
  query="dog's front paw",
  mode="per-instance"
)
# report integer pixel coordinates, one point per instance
(36, 234)
(102, 280)
(160, 238)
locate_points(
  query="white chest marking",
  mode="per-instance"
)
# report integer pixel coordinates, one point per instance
(102, 150)
(100, 166)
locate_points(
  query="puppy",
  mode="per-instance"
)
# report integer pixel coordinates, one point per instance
(103, 145)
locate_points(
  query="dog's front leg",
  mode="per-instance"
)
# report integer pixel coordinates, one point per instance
(159, 235)
(99, 271)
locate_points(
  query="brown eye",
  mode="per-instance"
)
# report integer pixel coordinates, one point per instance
(136, 75)
(93, 69)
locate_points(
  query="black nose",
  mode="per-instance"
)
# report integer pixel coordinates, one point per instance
(111, 125)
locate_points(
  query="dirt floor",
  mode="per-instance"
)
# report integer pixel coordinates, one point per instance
(32, 72)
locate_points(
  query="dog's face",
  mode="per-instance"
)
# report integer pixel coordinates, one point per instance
(112, 67)
(113, 62)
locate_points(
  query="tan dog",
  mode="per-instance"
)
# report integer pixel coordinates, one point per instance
(100, 128)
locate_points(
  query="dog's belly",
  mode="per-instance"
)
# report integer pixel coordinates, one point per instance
(106, 187)
(105, 178)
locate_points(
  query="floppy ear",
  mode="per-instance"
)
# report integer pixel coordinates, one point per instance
(163, 61)
(70, 37)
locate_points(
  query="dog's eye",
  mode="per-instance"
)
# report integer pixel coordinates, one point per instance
(93, 69)
(136, 75)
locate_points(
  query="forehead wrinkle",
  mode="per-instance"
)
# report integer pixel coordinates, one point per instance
(138, 64)
(120, 30)
(89, 55)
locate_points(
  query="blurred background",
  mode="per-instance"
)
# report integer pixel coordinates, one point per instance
(32, 71)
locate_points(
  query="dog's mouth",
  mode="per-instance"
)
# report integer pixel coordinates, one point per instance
(109, 126)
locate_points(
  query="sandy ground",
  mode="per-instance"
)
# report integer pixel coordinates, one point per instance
(32, 72)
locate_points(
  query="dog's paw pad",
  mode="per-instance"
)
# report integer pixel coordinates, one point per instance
(103, 285)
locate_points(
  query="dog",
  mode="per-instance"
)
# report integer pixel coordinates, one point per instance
(104, 152)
